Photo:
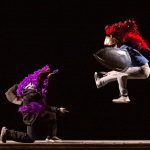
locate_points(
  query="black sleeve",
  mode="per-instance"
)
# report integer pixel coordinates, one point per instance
(51, 108)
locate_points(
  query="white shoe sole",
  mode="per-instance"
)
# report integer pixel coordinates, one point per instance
(49, 140)
(116, 101)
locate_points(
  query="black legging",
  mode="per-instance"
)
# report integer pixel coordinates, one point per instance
(24, 137)
(30, 135)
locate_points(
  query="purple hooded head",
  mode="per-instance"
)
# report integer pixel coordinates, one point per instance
(38, 81)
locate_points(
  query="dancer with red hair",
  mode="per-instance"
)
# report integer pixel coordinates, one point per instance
(125, 36)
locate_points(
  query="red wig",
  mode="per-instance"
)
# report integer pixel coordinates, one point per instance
(127, 32)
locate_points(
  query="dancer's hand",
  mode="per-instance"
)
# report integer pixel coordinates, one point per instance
(52, 73)
(63, 110)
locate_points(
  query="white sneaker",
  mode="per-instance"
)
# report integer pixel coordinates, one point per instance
(122, 99)
(4, 132)
(53, 139)
(100, 81)
(95, 76)
(97, 80)
(49, 140)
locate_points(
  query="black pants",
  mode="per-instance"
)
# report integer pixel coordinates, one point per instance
(30, 135)
(49, 119)
(25, 137)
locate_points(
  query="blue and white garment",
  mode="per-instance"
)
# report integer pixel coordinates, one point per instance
(136, 57)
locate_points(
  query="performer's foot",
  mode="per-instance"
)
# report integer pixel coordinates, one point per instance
(4, 131)
(96, 77)
(53, 139)
(48, 139)
(122, 99)
(99, 81)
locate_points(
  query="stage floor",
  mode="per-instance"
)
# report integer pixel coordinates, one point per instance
(101, 142)
(79, 145)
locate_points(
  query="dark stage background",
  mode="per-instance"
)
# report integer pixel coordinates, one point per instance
(65, 34)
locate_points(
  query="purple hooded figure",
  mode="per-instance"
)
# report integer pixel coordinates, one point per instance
(30, 94)
(33, 90)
